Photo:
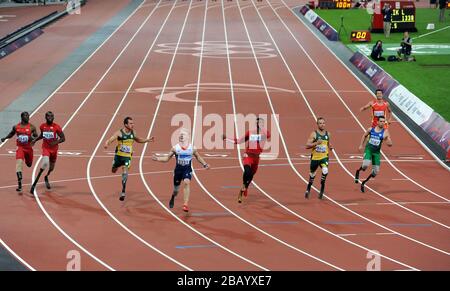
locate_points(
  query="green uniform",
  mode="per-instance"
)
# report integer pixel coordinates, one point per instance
(373, 146)
(319, 154)
(124, 150)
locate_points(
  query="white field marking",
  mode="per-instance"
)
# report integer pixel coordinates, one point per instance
(212, 196)
(216, 49)
(411, 158)
(220, 90)
(368, 89)
(67, 123)
(65, 81)
(225, 157)
(282, 138)
(145, 147)
(145, 173)
(171, 171)
(385, 203)
(422, 35)
(402, 179)
(314, 115)
(348, 172)
(237, 134)
(16, 255)
(88, 169)
(359, 234)
(312, 112)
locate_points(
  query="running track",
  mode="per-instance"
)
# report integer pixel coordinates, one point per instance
(227, 57)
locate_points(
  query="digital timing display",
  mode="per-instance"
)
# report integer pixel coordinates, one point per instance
(360, 36)
(343, 4)
(403, 19)
(335, 4)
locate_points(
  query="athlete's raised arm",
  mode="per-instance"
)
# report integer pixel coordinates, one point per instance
(10, 134)
(143, 140)
(365, 107)
(236, 140)
(166, 158)
(112, 139)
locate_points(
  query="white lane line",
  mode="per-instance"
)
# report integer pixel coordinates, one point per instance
(403, 203)
(312, 112)
(348, 172)
(362, 127)
(62, 84)
(209, 193)
(364, 234)
(119, 106)
(279, 128)
(149, 190)
(236, 127)
(67, 123)
(88, 169)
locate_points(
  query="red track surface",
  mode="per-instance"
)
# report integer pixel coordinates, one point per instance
(275, 228)
(24, 67)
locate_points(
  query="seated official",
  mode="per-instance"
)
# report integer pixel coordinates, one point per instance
(377, 51)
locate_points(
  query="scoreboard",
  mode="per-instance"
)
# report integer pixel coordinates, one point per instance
(403, 16)
(335, 4)
(403, 19)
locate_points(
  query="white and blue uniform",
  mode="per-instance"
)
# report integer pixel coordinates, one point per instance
(183, 168)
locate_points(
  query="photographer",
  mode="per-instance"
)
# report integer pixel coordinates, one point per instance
(377, 51)
(387, 17)
(406, 47)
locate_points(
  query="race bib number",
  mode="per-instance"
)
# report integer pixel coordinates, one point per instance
(378, 113)
(125, 149)
(22, 138)
(183, 162)
(321, 149)
(374, 141)
(48, 134)
(255, 137)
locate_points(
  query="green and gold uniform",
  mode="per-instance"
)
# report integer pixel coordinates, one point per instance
(319, 154)
(373, 146)
(124, 150)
